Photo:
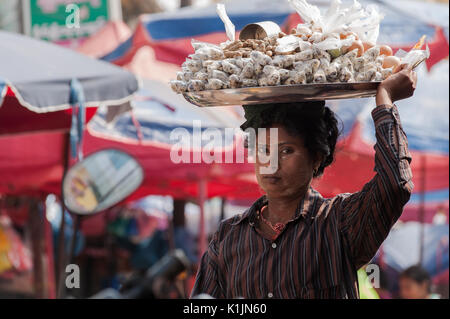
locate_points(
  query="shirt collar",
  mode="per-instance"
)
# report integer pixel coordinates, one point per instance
(303, 208)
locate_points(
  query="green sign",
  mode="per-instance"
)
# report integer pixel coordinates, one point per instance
(59, 20)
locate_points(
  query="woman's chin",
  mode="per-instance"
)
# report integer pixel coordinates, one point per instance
(271, 186)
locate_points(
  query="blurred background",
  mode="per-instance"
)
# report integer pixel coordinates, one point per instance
(118, 44)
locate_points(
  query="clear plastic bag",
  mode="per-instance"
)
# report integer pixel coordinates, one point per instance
(338, 19)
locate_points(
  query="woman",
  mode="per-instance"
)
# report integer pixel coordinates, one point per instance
(415, 283)
(292, 242)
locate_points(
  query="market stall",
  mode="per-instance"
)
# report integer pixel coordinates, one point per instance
(54, 80)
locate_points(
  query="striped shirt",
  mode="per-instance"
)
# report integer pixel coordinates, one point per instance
(320, 250)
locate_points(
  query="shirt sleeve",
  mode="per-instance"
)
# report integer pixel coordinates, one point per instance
(208, 279)
(367, 216)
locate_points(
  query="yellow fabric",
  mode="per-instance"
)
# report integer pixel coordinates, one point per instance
(366, 292)
(4, 242)
(5, 245)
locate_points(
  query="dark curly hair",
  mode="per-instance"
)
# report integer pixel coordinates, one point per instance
(313, 121)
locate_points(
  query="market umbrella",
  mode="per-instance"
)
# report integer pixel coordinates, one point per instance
(143, 64)
(38, 82)
(38, 90)
(45, 90)
(170, 33)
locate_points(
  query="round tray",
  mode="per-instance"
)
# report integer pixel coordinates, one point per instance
(282, 93)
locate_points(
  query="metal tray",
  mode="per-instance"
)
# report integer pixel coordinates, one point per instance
(282, 94)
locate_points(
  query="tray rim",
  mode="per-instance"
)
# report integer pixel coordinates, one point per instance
(347, 86)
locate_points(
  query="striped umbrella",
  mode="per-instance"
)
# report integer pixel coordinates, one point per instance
(170, 33)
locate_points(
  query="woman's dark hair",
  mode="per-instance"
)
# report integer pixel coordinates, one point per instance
(418, 274)
(312, 121)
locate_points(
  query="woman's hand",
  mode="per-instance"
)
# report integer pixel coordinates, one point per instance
(398, 86)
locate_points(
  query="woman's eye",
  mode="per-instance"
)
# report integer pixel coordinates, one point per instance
(286, 151)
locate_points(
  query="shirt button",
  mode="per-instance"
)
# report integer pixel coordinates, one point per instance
(270, 295)
(274, 245)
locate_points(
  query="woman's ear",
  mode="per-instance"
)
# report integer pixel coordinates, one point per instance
(318, 160)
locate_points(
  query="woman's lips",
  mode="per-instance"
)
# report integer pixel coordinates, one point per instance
(272, 179)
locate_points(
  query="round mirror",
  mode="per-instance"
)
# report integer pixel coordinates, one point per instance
(100, 181)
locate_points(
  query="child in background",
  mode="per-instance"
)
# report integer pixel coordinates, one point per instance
(415, 283)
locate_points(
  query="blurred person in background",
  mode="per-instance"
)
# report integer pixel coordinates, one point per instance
(415, 283)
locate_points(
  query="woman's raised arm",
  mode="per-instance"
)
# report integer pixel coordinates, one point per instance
(367, 216)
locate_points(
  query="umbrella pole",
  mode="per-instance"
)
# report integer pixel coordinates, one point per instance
(202, 234)
(61, 247)
(422, 210)
(50, 255)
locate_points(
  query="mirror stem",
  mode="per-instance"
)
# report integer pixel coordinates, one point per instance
(76, 226)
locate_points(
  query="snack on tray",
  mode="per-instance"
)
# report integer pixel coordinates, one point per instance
(339, 46)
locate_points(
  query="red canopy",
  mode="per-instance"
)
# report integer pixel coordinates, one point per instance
(164, 177)
(354, 163)
(14, 118)
(106, 39)
(33, 164)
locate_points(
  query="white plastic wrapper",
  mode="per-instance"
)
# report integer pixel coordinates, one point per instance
(229, 26)
(333, 43)
(305, 45)
(309, 13)
(287, 44)
(414, 57)
(368, 29)
(199, 45)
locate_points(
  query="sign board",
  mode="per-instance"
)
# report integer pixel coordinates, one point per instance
(63, 21)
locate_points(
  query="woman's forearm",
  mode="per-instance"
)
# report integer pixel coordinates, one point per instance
(383, 97)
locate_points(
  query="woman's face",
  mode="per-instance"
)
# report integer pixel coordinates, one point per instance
(294, 170)
(411, 289)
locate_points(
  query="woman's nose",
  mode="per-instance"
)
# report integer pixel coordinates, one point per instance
(273, 162)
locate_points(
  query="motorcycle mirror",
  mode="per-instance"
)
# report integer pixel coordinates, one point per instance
(100, 181)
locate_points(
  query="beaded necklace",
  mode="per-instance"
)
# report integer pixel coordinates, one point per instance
(277, 228)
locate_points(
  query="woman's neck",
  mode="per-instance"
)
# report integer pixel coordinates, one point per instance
(282, 209)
